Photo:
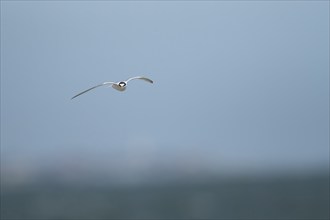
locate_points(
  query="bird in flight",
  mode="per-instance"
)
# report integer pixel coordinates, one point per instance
(120, 86)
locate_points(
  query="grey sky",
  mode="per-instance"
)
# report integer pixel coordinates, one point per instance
(238, 85)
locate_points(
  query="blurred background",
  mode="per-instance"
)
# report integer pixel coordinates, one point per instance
(236, 124)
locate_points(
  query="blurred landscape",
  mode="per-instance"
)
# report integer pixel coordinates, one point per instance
(82, 189)
(294, 197)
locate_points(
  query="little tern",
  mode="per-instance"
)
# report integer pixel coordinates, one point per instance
(120, 86)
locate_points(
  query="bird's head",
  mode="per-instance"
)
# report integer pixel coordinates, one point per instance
(122, 84)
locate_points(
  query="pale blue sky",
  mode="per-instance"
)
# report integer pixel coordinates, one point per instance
(239, 86)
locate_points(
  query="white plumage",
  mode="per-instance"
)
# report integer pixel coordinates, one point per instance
(120, 86)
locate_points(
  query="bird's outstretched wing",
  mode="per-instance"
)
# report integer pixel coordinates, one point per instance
(103, 84)
(140, 77)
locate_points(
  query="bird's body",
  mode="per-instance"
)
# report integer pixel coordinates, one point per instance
(119, 86)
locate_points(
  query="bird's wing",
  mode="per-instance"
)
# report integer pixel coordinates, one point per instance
(140, 77)
(103, 84)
